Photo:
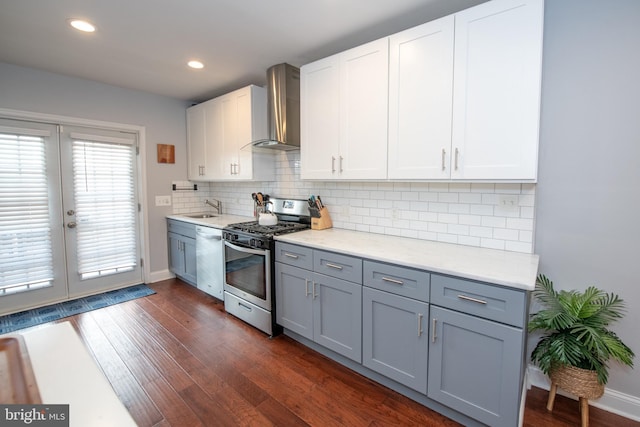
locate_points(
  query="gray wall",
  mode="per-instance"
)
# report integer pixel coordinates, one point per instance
(163, 118)
(588, 200)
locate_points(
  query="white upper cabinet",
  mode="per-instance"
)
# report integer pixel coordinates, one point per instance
(196, 168)
(420, 101)
(496, 90)
(319, 118)
(463, 101)
(220, 132)
(344, 104)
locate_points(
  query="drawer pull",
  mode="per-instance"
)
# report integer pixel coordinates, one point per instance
(246, 307)
(291, 255)
(394, 281)
(337, 267)
(466, 298)
(419, 324)
(433, 329)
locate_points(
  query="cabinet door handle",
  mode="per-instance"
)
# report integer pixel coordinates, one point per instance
(236, 167)
(313, 283)
(341, 164)
(466, 298)
(337, 267)
(333, 164)
(291, 255)
(434, 323)
(444, 154)
(419, 324)
(456, 160)
(230, 168)
(394, 281)
(306, 288)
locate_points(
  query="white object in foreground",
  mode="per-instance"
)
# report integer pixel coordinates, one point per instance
(67, 374)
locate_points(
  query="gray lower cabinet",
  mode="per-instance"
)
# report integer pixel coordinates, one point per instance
(476, 352)
(395, 337)
(455, 341)
(294, 302)
(182, 250)
(324, 309)
(475, 366)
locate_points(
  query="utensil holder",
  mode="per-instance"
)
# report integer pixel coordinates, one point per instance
(320, 219)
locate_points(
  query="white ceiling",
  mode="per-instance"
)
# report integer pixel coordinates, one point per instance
(145, 44)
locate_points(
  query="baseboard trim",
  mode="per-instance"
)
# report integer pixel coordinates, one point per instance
(157, 276)
(613, 401)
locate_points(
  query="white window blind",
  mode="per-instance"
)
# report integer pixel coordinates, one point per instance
(105, 206)
(26, 260)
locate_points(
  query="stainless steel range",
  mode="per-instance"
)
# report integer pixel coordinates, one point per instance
(249, 267)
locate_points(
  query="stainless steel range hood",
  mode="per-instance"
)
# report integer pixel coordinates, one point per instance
(283, 108)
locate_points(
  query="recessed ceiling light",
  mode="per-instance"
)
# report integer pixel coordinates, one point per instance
(195, 64)
(82, 25)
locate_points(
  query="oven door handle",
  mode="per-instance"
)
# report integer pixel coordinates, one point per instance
(246, 250)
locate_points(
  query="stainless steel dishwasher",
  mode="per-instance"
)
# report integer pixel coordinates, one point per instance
(209, 257)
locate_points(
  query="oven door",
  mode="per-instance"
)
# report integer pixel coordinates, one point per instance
(248, 274)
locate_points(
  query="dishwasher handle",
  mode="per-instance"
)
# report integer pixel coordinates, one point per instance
(209, 236)
(201, 232)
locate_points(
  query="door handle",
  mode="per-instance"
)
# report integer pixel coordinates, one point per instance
(433, 332)
(71, 224)
(456, 160)
(419, 324)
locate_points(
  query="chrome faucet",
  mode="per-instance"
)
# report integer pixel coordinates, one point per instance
(216, 204)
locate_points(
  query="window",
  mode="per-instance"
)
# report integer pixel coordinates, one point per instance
(105, 207)
(26, 260)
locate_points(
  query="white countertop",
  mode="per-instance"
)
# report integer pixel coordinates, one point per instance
(512, 269)
(217, 221)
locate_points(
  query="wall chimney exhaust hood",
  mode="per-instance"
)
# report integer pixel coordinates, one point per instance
(283, 108)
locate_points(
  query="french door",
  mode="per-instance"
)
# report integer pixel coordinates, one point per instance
(69, 223)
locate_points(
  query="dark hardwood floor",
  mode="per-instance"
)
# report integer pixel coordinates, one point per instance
(177, 359)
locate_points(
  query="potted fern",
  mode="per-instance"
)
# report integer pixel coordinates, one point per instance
(577, 345)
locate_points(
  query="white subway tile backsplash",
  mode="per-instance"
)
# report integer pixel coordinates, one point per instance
(461, 213)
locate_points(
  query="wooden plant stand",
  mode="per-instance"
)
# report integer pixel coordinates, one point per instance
(580, 382)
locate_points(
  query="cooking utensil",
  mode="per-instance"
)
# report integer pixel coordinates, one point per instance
(260, 198)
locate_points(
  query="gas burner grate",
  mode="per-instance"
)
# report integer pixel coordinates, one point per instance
(267, 230)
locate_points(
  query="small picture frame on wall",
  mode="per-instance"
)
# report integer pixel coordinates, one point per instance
(166, 153)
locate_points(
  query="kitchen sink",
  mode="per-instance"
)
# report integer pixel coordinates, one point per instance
(203, 215)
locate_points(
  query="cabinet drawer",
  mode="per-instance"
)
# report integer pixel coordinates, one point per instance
(181, 227)
(336, 265)
(298, 256)
(480, 299)
(398, 280)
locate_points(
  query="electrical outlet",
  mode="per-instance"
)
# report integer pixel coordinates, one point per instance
(163, 200)
(508, 200)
